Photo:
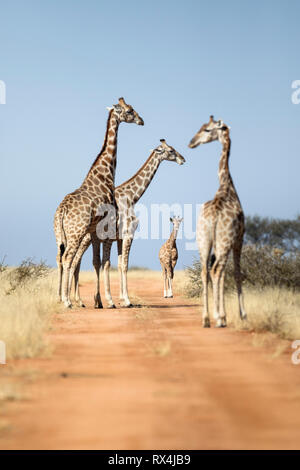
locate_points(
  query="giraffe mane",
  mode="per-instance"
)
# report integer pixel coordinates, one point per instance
(105, 141)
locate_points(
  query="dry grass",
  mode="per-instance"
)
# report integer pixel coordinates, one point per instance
(11, 392)
(25, 311)
(271, 287)
(275, 310)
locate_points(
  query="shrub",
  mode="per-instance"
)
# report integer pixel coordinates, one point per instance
(25, 273)
(261, 266)
(27, 301)
(3, 266)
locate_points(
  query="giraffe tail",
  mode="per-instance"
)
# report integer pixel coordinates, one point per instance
(63, 242)
(212, 260)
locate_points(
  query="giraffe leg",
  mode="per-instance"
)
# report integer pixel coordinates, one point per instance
(60, 275)
(97, 265)
(106, 268)
(216, 274)
(67, 280)
(237, 249)
(169, 282)
(165, 282)
(204, 245)
(170, 294)
(204, 278)
(120, 244)
(222, 296)
(76, 267)
(76, 285)
(127, 242)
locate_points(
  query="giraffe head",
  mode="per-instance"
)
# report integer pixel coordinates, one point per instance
(176, 221)
(125, 113)
(166, 152)
(213, 130)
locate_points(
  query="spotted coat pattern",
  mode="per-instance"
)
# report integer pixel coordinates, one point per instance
(126, 196)
(168, 256)
(77, 215)
(220, 227)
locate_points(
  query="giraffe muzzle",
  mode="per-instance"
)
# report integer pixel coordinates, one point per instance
(180, 160)
(193, 143)
(139, 121)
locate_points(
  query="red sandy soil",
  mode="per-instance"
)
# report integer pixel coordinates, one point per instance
(153, 378)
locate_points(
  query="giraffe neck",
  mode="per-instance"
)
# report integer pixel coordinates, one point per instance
(172, 238)
(134, 188)
(226, 183)
(104, 167)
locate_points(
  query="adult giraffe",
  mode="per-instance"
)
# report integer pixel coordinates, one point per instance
(220, 226)
(78, 213)
(126, 196)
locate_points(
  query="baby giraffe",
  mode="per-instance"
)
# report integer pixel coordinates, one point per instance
(168, 256)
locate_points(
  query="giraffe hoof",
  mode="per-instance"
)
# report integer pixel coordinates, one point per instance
(98, 306)
(129, 306)
(244, 317)
(112, 306)
(221, 323)
(206, 323)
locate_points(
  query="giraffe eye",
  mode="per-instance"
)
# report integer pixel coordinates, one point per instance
(206, 130)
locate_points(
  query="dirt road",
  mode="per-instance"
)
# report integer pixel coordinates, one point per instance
(152, 378)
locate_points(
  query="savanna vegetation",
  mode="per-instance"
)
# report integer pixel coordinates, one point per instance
(27, 301)
(271, 273)
(270, 266)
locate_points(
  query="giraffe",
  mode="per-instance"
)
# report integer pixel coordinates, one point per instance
(220, 227)
(168, 255)
(126, 196)
(81, 210)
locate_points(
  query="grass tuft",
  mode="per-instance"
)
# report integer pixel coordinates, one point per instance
(275, 310)
(27, 301)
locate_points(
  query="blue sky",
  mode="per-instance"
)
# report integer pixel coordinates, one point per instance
(64, 61)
